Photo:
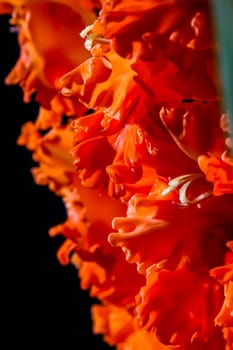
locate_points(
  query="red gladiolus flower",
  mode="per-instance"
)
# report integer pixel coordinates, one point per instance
(132, 136)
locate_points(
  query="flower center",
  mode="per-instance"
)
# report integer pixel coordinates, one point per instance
(183, 182)
(92, 38)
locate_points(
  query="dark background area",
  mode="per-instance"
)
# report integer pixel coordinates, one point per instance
(39, 296)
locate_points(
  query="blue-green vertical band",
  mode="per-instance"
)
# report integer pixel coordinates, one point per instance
(223, 24)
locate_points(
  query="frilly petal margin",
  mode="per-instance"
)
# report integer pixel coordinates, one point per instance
(121, 329)
(46, 49)
(224, 274)
(132, 136)
(194, 296)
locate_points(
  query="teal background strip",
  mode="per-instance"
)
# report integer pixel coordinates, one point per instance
(222, 11)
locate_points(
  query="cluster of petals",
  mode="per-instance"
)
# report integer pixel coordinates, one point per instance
(132, 136)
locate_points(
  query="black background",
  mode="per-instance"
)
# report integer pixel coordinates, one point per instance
(39, 296)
